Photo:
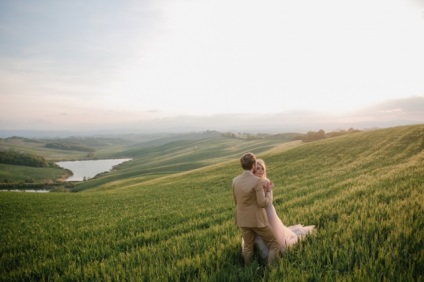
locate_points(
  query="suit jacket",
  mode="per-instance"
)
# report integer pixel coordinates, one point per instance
(250, 200)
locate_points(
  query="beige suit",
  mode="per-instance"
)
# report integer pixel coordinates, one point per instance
(250, 214)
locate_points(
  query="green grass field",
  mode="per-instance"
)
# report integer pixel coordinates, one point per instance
(364, 193)
(153, 156)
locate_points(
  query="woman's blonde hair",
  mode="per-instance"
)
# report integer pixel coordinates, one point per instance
(262, 163)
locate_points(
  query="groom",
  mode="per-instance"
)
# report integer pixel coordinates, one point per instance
(250, 214)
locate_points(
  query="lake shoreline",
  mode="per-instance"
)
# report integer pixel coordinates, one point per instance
(83, 170)
(66, 182)
(36, 187)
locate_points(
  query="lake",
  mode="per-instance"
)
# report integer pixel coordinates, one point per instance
(89, 168)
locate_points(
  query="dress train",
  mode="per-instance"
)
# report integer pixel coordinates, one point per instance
(286, 236)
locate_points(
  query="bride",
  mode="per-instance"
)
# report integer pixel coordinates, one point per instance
(286, 236)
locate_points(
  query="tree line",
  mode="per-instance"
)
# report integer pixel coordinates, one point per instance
(16, 158)
(69, 146)
(321, 134)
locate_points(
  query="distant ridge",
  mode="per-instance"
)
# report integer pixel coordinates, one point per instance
(41, 133)
(391, 113)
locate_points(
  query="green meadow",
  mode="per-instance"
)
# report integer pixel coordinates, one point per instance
(168, 214)
(153, 155)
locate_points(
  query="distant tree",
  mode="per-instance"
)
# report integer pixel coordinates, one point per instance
(17, 158)
(314, 136)
(69, 146)
(320, 135)
(309, 136)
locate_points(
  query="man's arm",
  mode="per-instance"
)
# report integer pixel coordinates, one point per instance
(263, 198)
(234, 195)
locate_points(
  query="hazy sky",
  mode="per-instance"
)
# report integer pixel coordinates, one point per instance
(92, 62)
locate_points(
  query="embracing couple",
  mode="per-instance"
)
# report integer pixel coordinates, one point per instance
(256, 215)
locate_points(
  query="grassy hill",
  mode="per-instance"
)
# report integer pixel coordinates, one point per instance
(180, 153)
(363, 191)
(153, 155)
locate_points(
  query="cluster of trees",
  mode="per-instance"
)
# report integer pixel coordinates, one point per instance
(315, 136)
(244, 136)
(69, 146)
(16, 158)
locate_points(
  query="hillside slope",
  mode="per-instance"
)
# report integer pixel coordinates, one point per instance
(181, 153)
(153, 155)
(364, 193)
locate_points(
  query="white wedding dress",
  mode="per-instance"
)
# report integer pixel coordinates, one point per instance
(286, 236)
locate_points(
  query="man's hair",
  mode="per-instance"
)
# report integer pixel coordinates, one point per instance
(247, 161)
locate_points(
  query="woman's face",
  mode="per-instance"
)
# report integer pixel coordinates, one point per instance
(259, 171)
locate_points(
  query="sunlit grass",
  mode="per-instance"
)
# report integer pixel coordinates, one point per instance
(364, 193)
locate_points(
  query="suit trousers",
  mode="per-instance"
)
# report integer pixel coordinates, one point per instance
(266, 234)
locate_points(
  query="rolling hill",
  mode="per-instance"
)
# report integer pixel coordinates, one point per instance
(363, 191)
(152, 155)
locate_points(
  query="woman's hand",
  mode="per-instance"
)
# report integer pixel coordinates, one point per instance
(268, 185)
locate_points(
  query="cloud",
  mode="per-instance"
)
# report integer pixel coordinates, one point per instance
(388, 114)
(169, 64)
(396, 109)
